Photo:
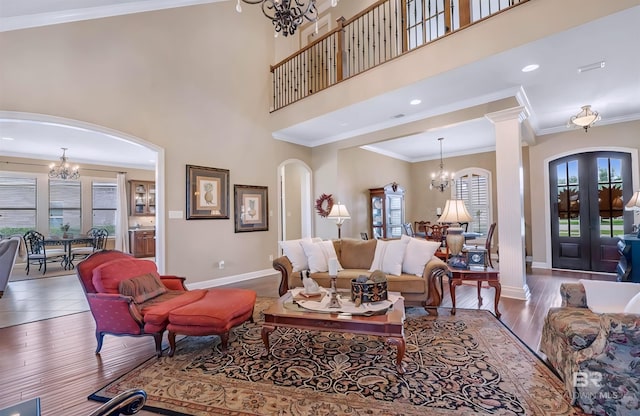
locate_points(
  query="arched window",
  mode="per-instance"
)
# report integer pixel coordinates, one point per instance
(473, 185)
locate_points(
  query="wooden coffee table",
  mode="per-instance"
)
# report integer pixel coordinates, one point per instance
(389, 326)
(489, 275)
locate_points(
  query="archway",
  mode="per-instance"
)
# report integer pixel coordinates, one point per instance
(20, 120)
(295, 200)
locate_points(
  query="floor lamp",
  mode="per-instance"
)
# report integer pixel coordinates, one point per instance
(339, 213)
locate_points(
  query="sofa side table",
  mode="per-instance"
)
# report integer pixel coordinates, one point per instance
(489, 275)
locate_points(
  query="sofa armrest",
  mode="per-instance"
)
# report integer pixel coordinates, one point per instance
(284, 266)
(174, 282)
(573, 295)
(433, 273)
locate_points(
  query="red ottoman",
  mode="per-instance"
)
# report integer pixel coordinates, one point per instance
(214, 314)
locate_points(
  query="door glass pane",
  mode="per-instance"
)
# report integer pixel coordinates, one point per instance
(610, 204)
(568, 199)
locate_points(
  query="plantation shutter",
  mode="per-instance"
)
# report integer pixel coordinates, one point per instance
(474, 190)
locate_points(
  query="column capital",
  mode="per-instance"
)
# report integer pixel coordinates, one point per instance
(521, 113)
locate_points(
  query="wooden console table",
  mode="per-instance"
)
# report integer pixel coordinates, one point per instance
(489, 275)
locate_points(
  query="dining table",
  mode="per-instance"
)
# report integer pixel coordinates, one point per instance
(67, 243)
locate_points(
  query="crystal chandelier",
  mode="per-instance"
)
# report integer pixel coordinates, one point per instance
(63, 170)
(287, 15)
(585, 118)
(442, 179)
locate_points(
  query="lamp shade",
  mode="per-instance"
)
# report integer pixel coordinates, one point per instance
(454, 211)
(339, 212)
(634, 202)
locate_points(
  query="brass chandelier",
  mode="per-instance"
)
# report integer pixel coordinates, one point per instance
(442, 179)
(287, 15)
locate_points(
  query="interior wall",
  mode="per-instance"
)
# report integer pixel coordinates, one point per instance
(192, 90)
(604, 137)
(360, 170)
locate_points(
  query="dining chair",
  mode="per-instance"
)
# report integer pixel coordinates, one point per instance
(487, 244)
(38, 253)
(98, 243)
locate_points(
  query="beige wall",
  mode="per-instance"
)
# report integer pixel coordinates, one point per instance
(175, 78)
(360, 170)
(620, 137)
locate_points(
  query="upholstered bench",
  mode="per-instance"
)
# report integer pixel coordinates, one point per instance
(215, 313)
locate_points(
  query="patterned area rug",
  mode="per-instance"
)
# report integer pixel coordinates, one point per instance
(464, 364)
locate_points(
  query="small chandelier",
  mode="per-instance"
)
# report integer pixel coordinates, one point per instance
(442, 179)
(287, 15)
(585, 118)
(63, 170)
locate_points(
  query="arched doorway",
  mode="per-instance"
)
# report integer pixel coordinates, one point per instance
(15, 122)
(587, 194)
(295, 200)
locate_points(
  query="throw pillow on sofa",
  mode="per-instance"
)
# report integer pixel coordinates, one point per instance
(634, 305)
(389, 256)
(418, 253)
(608, 297)
(318, 255)
(294, 252)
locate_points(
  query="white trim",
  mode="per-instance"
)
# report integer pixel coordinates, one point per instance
(635, 181)
(227, 280)
(74, 15)
(306, 200)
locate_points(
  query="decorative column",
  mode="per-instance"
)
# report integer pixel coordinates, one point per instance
(510, 198)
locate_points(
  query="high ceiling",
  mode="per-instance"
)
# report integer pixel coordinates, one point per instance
(552, 93)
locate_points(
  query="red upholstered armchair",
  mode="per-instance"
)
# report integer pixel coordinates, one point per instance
(119, 314)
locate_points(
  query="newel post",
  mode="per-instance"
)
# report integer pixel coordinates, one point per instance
(341, 50)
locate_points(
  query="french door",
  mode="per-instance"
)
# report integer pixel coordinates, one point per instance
(587, 192)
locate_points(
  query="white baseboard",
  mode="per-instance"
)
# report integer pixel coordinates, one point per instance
(206, 284)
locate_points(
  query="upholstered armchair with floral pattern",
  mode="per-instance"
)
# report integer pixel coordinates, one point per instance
(596, 354)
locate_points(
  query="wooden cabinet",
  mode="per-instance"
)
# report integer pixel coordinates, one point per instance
(386, 211)
(142, 243)
(628, 268)
(143, 198)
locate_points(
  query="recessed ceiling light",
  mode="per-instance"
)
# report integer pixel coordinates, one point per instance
(8, 138)
(530, 68)
(415, 101)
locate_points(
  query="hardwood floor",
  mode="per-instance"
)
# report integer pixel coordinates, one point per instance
(54, 359)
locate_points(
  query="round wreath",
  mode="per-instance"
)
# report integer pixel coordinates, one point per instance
(324, 204)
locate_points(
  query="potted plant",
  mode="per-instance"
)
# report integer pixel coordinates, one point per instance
(65, 229)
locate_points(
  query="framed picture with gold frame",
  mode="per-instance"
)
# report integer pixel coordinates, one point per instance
(251, 208)
(207, 193)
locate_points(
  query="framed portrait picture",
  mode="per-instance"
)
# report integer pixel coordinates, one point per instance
(207, 193)
(251, 208)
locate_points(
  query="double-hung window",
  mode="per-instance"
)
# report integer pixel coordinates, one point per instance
(64, 207)
(17, 204)
(104, 197)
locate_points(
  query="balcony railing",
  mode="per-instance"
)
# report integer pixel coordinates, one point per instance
(382, 32)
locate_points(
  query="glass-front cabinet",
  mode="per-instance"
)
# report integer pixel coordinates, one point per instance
(386, 211)
(143, 198)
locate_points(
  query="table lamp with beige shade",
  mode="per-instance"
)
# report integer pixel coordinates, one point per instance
(455, 212)
(634, 204)
(339, 213)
